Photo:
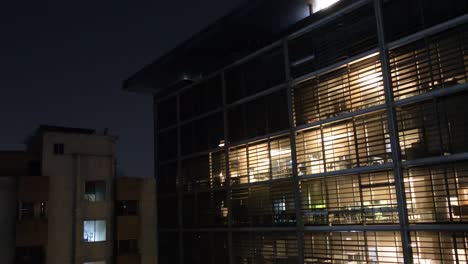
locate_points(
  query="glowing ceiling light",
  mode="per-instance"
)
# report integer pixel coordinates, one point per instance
(318, 5)
(221, 143)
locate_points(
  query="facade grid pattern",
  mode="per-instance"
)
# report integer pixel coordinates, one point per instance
(345, 148)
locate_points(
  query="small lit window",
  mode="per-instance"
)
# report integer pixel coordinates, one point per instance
(94, 230)
(95, 262)
(42, 210)
(59, 148)
(95, 191)
(128, 207)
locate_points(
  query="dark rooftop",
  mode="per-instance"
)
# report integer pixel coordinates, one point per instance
(252, 26)
(69, 130)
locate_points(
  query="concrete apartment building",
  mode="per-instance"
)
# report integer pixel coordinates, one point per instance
(67, 209)
(318, 131)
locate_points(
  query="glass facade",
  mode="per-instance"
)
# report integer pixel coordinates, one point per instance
(345, 142)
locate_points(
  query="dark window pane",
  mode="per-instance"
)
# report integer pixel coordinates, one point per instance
(262, 116)
(167, 212)
(168, 243)
(197, 248)
(127, 247)
(255, 75)
(433, 128)
(166, 114)
(403, 17)
(128, 207)
(202, 134)
(167, 145)
(201, 98)
(26, 210)
(59, 148)
(341, 39)
(30, 255)
(167, 179)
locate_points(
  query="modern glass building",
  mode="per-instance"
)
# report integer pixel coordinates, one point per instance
(331, 136)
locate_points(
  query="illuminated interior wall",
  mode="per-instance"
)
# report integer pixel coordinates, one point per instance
(343, 163)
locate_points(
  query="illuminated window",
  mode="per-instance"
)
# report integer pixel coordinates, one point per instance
(94, 230)
(261, 161)
(95, 191)
(318, 5)
(95, 262)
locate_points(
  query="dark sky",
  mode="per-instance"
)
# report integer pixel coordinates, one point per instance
(62, 63)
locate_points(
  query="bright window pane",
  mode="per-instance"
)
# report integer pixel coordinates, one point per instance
(94, 230)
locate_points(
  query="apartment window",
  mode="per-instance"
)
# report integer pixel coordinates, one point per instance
(59, 148)
(32, 210)
(94, 230)
(29, 255)
(127, 207)
(95, 262)
(26, 210)
(95, 191)
(127, 247)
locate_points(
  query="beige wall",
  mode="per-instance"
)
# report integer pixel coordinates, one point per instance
(33, 188)
(128, 188)
(148, 246)
(86, 157)
(128, 259)
(142, 226)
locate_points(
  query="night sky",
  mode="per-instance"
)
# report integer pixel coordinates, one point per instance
(63, 63)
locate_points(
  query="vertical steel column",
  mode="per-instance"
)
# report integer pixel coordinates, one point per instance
(226, 162)
(394, 139)
(292, 136)
(179, 183)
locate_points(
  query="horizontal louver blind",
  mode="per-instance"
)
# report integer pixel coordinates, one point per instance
(351, 87)
(260, 161)
(430, 64)
(353, 247)
(265, 248)
(439, 247)
(357, 142)
(437, 193)
(264, 205)
(367, 198)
